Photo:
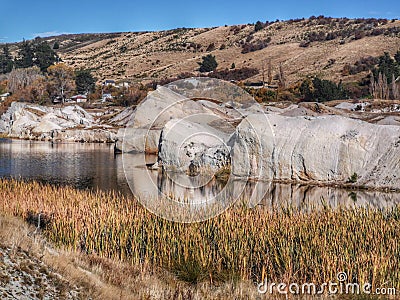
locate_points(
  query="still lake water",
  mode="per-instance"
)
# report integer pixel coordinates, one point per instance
(95, 166)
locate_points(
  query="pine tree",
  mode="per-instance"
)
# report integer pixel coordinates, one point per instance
(387, 67)
(44, 56)
(35, 53)
(208, 64)
(258, 26)
(25, 55)
(322, 90)
(397, 57)
(6, 60)
(85, 82)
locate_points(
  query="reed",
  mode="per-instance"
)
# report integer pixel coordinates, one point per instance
(249, 244)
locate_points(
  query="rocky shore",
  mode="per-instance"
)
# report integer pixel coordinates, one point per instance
(56, 124)
(341, 143)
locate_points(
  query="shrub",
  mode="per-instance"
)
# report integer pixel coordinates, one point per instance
(208, 64)
(235, 74)
(359, 34)
(258, 26)
(210, 47)
(353, 178)
(255, 46)
(304, 44)
(364, 64)
(321, 90)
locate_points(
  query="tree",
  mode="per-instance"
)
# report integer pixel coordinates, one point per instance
(397, 57)
(307, 90)
(25, 55)
(321, 90)
(258, 26)
(208, 64)
(27, 84)
(387, 67)
(379, 88)
(281, 77)
(326, 90)
(19, 79)
(56, 45)
(61, 80)
(269, 71)
(85, 82)
(395, 90)
(44, 56)
(6, 60)
(35, 53)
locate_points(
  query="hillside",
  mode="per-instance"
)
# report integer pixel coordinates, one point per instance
(317, 45)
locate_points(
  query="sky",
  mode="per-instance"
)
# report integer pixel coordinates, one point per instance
(26, 19)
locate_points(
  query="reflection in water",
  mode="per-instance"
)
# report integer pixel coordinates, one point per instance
(307, 198)
(95, 166)
(151, 184)
(79, 165)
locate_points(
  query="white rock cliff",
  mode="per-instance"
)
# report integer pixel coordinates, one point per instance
(327, 149)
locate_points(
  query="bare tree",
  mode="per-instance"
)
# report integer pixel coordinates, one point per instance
(263, 72)
(372, 86)
(281, 77)
(395, 89)
(383, 84)
(61, 80)
(18, 79)
(269, 71)
(380, 88)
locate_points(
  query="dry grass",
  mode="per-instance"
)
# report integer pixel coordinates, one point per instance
(64, 272)
(156, 55)
(238, 246)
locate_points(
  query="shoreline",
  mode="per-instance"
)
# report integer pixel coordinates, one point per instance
(336, 185)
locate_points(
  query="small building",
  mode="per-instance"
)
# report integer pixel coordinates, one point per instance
(79, 98)
(109, 82)
(106, 97)
(57, 100)
(4, 96)
(123, 84)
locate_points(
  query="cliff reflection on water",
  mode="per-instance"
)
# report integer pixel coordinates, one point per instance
(94, 166)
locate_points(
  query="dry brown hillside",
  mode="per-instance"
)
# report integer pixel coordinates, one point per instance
(312, 46)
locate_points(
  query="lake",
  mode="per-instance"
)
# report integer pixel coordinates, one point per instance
(95, 166)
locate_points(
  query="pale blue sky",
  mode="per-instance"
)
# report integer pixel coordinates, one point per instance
(28, 19)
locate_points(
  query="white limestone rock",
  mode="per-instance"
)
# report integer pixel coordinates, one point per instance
(138, 140)
(185, 144)
(317, 149)
(70, 123)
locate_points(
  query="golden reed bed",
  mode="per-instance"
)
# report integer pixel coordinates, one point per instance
(241, 244)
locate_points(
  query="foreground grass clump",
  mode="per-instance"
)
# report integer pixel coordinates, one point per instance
(241, 244)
